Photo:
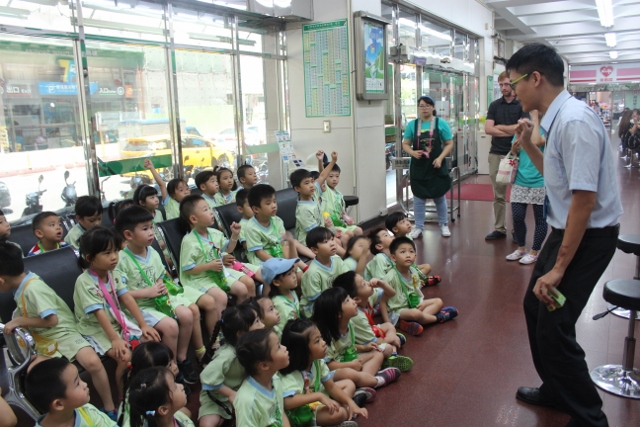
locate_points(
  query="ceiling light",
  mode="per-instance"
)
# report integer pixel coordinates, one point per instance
(610, 39)
(613, 54)
(605, 12)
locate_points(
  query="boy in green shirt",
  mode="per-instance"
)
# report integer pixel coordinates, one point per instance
(333, 203)
(381, 263)
(88, 211)
(47, 227)
(247, 177)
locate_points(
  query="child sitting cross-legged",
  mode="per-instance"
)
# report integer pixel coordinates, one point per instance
(407, 308)
(55, 388)
(50, 321)
(247, 177)
(201, 253)
(322, 270)
(357, 254)
(164, 304)
(334, 311)
(367, 333)
(309, 390)
(281, 274)
(88, 211)
(398, 223)
(47, 226)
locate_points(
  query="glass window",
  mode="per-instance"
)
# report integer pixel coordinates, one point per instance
(435, 38)
(407, 24)
(460, 46)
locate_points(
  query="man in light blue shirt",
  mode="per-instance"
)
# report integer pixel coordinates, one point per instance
(583, 209)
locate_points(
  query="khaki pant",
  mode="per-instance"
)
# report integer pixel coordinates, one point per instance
(499, 194)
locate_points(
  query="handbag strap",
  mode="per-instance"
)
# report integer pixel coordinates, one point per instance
(135, 261)
(402, 284)
(113, 303)
(24, 305)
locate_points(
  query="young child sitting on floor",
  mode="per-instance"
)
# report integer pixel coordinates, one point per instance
(47, 227)
(247, 177)
(55, 389)
(408, 309)
(357, 254)
(88, 211)
(281, 274)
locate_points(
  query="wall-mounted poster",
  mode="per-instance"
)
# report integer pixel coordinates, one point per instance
(371, 56)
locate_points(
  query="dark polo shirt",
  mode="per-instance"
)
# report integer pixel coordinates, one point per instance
(504, 113)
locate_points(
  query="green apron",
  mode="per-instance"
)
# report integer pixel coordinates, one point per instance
(428, 182)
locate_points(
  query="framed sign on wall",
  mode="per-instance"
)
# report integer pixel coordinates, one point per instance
(370, 43)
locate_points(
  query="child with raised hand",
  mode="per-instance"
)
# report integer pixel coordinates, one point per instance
(50, 321)
(98, 295)
(333, 314)
(322, 270)
(88, 212)
(247, 177)
(143, 272)
(281, 275)
(407, 308)
(54, 388)
(201, 254)
(333, 204)
(259, 401)
(178, 189)
(146, 199)
(227, 187)
(47, 227)
(357, 254)
(384, 336)
(155, 399)
(222, 377)
(310, 394)
(398, 223)
(147, 355)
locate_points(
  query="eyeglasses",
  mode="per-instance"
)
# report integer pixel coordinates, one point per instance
(425, 106)
(513, 83)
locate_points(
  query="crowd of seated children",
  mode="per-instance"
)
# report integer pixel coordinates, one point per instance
(88, 210)
(47, 227)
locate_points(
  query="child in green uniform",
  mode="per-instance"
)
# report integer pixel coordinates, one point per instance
(311, 397)
(178, 189)
(147, 196)
(5, 230)
(50, 321)
(407, 308)
(357, 254)
(322, 270)
(201, 265)
(281, 275)
(155, 399)
(227, 187)
(55, 389)
(333, 204)
(222, 377)
(88, 211)
(381, 263)
(259, 401)
(265, 233)
(367, 334)
(247, 177)
(334, 310)
(266, 311)
(145, 277)
(47, 227)
(207, 182)
(98, 295)
(242, 204)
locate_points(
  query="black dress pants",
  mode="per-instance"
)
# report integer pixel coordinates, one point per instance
(558, 358)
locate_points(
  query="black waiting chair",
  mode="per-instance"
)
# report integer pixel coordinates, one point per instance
(287, 200)
(630, 244)
(228, 214)
(172, 235)
(23, 235)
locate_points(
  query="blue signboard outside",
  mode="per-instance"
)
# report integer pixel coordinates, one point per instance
(58, 88)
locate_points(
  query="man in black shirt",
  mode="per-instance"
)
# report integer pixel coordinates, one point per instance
(502, 119)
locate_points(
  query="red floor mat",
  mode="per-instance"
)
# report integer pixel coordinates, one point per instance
(479, 192)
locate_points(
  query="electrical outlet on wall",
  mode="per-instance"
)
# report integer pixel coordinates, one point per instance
(326, 126)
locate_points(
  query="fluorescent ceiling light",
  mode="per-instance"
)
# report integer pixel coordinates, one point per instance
(610, 39)
(605, 12)
(613, 54)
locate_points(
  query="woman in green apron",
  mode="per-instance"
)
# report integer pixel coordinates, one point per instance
(428, 148)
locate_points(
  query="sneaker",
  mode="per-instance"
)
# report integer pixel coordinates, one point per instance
(412, 328)
(495, 234)
(528, 259)
(516, 255)
(415, 233)
(432, 280)
(186, 369)
(388, 376)
(444, 230)
(447, 313)
(403, 363)
(112, 414)
(403, 339)
(453, 312)
(364, 395)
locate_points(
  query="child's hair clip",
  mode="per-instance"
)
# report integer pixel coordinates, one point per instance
(151, 413)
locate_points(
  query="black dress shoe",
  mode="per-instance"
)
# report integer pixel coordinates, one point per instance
(533, 396)
(495, 234)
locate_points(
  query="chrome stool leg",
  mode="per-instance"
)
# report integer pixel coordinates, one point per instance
(17, 362)
(622, 380)
(623, 312)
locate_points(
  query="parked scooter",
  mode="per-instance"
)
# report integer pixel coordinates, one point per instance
(389, 153)
(32, 200)
(69, 195)
(5, 198)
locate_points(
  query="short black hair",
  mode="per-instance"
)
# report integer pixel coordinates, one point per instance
(203, 177)
(393, 219)
(314, 174)
(297, 176)
(1, 212)
(399, 241)
(11, 262)
(39, 219)
(44, 384)
(115, 208)
(219, 173)
(259, 192)
(375, 240)
(335, 167)
(318, 235)
(241, 197)
(347, 281)
(88, 206)
(242, 170)
(187, 206)
(171, 185)
(253, 348)
(541, 58)
(94, 241)
(130, 217)
(142, 192)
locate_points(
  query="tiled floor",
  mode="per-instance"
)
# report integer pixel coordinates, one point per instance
(466, 371)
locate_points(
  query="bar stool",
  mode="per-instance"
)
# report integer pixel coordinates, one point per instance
(350, 201)
(630, 244)
(622, 380)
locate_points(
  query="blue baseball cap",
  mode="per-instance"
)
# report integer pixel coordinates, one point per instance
(274, 266)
